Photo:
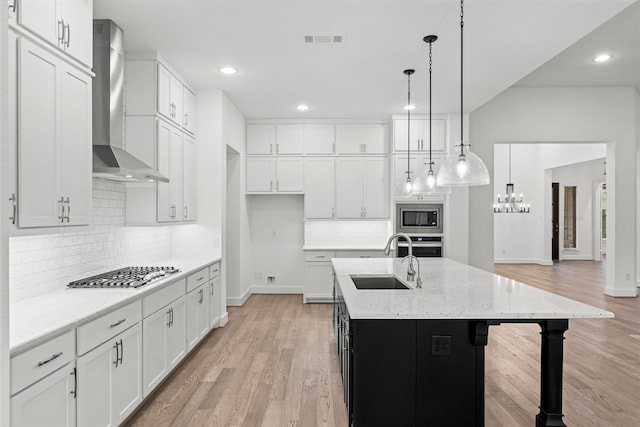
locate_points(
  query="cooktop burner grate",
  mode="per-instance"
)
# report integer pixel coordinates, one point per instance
(124, 278)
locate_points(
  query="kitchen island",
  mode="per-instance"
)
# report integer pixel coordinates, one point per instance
(416, 356)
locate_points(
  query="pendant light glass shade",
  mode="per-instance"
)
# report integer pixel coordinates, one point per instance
(405, 188)
(463, 169)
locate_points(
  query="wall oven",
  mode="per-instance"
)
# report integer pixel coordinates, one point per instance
(422, 247)
(419, 218)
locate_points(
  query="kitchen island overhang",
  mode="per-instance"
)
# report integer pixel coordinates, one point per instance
(451, 315)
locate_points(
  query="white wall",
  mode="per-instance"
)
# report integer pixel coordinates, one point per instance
(276, 227)
(519, 238)
(529, 114)
(4, 211)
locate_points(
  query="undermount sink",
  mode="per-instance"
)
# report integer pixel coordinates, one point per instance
(377, 282)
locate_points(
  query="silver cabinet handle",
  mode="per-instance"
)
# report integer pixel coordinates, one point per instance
(14, 203)
(68, 202)
(277, 185)
(14, 6)
(186, 119)
(119, 322)
(68, 35)
(277, 148)
(61, 31)
(117, 346)
(52, 358)
(333, 212)
(210, 288)
(121, 350)
(170, 109)
(270, 148)
(169, 318)
(186, 212)
(201, 296)
(74, 392)
(271, 186)
(62, 217)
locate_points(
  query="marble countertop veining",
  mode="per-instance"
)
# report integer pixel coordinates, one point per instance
(451, 290)
(35, 320)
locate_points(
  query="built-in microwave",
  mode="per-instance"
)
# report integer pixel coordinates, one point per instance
(419, 218)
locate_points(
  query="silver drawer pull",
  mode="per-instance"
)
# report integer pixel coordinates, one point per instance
(320, 256)
(200, 279)
(118, 322)
(54, 357)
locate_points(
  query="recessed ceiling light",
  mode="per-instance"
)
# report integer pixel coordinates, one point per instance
(228, 70)
(603, 57)
(302, 107)
(409, 107)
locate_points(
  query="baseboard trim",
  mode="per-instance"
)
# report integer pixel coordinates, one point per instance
(224, 319)
(522, 261)
(239, 301)
(628, 293)
(317, 299)
(276, 289)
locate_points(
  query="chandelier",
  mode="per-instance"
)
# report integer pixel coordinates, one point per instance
(511, 203)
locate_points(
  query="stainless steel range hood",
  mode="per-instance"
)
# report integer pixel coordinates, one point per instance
(110, 158)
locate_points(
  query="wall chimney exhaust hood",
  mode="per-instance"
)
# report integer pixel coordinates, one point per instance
(110, 158)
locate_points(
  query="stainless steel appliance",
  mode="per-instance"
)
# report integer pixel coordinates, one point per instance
(422, 246)
(124, 278)
(419, 218)
(110, 158)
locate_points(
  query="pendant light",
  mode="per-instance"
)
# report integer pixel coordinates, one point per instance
(405, 188)
(462, 168)
(511, 203)
(425, 180)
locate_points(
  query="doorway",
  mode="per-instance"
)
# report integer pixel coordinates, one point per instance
(555, 221)
(231, 232)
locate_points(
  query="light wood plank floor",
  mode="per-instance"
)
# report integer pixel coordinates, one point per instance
(274, 364)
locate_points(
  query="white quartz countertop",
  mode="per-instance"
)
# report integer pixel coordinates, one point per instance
(451, 290)
(343, 246)
(37, 319)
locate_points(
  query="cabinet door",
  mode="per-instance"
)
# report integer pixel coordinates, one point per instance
(78, 20)
(126, 375)
(349, 139)
(47, 402)
(438, 135)
(349, 188)
(75, 146)
(41, 17)
(400, 130)
(260, 174)
(189, 111)
(176, 334)
(375, 138)
(319, 139)
(165, 106)
(214, 302)
(95, 387)
(318, 285)
(319, 196)
(290, 175)
(289, 139)
(376, 187)
(165, 211)
(175, 174)
(9, 166)
(400, 171)
(39, 189)
(188, 179)
(197, 316)
(154, 349)
(176, 95)
(261, 139)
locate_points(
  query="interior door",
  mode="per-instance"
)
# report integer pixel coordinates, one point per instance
(555, 221)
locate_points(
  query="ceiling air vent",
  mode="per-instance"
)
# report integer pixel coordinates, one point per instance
(324, 39)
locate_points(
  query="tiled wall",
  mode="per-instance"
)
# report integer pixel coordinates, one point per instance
(45, 263)
(338, 233)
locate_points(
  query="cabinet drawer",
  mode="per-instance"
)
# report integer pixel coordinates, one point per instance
(198, 278)
(163, 297)
(111, 324)
(214, 271)
(319, 255)
(34, 364)
(360, 254)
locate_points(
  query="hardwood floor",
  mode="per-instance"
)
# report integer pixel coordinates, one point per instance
(274, 364)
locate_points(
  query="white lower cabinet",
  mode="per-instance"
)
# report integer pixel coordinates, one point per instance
(110, 380)
(197, 315)
(164, 342)
(214, 296)
(318, 272)
(49, 402)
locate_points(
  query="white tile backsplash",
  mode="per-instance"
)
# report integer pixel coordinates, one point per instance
(338, 234)
(45, 263)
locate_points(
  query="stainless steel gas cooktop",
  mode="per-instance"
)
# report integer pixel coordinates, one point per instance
(124, 278)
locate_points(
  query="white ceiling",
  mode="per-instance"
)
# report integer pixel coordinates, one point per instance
(505, 40)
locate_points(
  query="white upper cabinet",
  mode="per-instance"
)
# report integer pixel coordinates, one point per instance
(188, 111)
(170, 93)
(169, 164)
(319, 197)
(66, 24)
(419, 136)
(362, 187)
(54, 140)
(188, 179)
(275, 175)
(261, 139)
(319, 139)
(289, 139)
(362, 139)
